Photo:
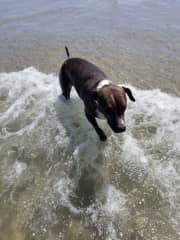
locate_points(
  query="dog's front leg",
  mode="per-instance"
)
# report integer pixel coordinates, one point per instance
(99, 131)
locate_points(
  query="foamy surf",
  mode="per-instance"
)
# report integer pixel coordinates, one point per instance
(65, 183)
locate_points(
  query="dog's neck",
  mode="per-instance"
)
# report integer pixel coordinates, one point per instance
(102, 83)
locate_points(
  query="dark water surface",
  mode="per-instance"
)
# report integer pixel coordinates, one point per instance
(133, 41)
(57, 180)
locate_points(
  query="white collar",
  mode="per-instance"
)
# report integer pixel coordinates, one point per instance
(103, 83)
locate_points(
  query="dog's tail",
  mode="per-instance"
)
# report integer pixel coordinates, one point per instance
(67, 52)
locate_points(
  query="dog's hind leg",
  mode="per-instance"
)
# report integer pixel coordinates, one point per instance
(65, 84)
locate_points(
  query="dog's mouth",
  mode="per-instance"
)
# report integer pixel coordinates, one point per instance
(119, 129)
(118, 125)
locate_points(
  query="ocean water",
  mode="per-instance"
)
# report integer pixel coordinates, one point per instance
(57, 180)
(133, 41)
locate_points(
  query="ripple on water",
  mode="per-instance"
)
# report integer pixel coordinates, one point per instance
(58, 181)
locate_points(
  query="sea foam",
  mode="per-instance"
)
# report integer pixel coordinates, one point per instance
(42, 136)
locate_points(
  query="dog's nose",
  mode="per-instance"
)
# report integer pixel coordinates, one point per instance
(120, 129)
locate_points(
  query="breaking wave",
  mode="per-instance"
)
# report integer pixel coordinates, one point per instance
(65, 183)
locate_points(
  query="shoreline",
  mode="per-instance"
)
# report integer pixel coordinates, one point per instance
(141, 69)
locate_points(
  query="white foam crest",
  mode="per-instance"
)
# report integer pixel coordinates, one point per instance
(27, 129)
(152, 108)
(64, 187)
(157, 104)
(161, 147)
(131, 150)
(115, 202)
(15, 171)
(87, 150)
(126, 153)
(29, 94)
(111, 211)
(25, 86)
(155, 118)
(162, 110)
(171, 179)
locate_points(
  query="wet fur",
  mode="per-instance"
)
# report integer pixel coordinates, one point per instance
(108, 99)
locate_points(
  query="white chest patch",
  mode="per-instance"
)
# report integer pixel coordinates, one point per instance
(103, 83)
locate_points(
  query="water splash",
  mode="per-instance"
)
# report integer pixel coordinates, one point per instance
(65, 183)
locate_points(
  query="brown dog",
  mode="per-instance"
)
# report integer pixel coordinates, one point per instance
(101, 97)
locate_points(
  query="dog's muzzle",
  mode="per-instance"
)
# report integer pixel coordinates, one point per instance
(119, 129)
(119, 126)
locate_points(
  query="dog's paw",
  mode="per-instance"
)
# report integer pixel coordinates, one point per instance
(103, 137)
(62, 98)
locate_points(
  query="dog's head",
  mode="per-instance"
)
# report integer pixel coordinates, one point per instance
(112, 102)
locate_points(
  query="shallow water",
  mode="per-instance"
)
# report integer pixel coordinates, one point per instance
(133, 41)
(57, 180)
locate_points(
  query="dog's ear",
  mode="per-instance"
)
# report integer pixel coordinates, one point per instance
(129, 93)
